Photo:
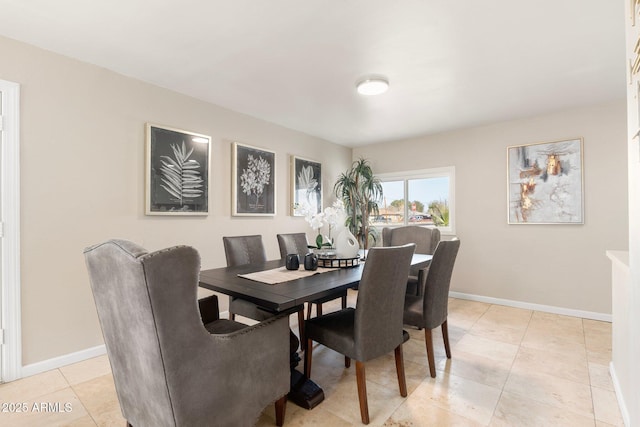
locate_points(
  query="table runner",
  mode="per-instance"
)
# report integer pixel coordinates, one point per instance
(281, 274)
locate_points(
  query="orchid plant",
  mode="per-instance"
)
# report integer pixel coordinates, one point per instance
(332, 216)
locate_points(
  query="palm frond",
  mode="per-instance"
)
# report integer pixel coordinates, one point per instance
(180, 175)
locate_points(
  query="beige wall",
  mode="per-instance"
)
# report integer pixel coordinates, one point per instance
(82, 173)
(555, 265)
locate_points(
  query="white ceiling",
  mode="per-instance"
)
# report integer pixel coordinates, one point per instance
(451, 63)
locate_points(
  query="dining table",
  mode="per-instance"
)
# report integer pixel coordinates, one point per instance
(273, 288)
(286, 295)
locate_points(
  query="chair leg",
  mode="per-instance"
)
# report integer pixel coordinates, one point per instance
(318, 310)
(362, 392)
(281, 407)
(445, 336)
(347, 362)
(344, 302)
(309, 305)
(307, 358)
(303, 340)
(428, 339)
(232, 316)
(402, 381)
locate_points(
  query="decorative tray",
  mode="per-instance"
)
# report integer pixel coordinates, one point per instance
(338, 262)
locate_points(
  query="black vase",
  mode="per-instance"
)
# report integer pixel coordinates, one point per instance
(311, 262)
(292, 262)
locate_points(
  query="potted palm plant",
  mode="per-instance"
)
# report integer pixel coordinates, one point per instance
(360, 191)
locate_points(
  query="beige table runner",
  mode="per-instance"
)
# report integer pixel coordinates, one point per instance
(281, 274)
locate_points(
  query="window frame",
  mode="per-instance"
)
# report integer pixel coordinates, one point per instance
(406, 176)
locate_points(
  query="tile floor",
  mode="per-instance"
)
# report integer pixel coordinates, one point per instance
(510, 367)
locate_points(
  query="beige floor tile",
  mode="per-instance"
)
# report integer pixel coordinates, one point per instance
(596, 327)
(605, 406)
(600, 356)
(99, 398)
(500, 352)
(600, 376)
(383, 372)
(551, 390)
(463, 397)
(415, 349)
(506, 324)
(476, 368)
(33, 386)
(598, 341)
(554, 339)
(464, 313)
(85, 421)
(53, 409)
(514, 410)
(417, 411)
(86, 370)
(564, 328)
(570, 366)
(343, 402)
(296, 416)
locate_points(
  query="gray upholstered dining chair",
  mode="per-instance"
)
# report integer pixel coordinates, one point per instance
(430, 310)
(426, 240)
(240, 250)
(374, 327)
(172, 367)
(296, 243)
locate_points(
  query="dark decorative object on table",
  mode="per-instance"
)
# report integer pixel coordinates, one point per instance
(311, 262)
(292, 262)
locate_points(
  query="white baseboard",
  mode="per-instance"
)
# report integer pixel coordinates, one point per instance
(616, 386)
(538, 307)
(60, 361)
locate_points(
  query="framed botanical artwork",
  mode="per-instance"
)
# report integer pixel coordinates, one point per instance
(177, 172)
(546, 183)
(306, 186)
(253, 188)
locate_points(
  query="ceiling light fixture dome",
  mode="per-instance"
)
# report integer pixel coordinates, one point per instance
(372, 85)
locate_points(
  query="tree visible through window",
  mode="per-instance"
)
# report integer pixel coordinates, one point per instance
(417, 198)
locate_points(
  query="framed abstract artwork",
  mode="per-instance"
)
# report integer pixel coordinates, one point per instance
(545, 183)
(177, 172)
(253, 181)
(306, 186)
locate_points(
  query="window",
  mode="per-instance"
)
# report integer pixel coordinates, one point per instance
(423, 197)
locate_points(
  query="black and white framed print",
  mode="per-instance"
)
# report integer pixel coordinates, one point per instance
(177, 172)
(253, 181)
(306, 186)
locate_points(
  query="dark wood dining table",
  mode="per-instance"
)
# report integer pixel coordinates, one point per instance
(284, 296)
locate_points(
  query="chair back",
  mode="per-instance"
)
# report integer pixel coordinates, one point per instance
(379, 308)
(293, 243)
(240, 250)
(137, 312)
(425, 238)
(438, 281)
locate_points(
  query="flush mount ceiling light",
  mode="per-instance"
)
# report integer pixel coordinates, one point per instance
(372, 85)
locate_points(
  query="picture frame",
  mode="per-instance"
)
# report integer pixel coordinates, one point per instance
(176, 171)
(546, 183)
(306, 185)
(253, 188)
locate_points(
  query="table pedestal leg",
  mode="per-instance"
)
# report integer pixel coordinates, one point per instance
(303, 392)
